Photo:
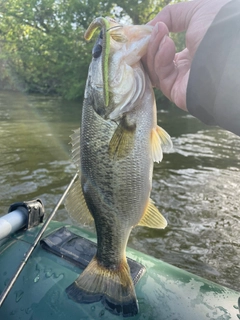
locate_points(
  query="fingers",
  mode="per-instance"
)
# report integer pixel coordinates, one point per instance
(179, 88)
(158, 34)
(177, 16)
(160, 59)
(167, 70)
(165, 66)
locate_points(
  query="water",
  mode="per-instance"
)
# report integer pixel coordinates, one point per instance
(196, 186)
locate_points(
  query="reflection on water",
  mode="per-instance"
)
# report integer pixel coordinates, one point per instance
(196, 186)
(34, 142)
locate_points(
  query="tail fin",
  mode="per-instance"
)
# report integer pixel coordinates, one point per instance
(113, 287)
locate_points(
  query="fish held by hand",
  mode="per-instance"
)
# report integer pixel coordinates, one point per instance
(119, 141)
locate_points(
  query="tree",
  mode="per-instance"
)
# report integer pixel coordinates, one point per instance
(140, 11)
(42, 48)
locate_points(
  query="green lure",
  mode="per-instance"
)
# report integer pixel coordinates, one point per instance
(104, 24)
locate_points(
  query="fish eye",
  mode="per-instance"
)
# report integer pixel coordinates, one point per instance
(97, 50)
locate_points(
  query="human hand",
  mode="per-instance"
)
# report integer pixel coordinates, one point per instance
(168, 70)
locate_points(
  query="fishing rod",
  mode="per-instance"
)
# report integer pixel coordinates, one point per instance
(33, 246)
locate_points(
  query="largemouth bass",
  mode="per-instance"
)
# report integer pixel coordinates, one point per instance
(119, 141)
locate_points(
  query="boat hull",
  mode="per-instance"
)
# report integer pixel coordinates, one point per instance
(164, 291)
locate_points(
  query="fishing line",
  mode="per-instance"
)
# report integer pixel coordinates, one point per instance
(37, 239)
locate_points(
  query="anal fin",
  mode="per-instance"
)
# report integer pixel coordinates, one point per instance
(152, 218)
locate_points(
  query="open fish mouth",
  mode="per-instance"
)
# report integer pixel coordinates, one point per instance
(115, 149)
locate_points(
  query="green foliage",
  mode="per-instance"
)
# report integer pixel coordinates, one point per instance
(42, 48)
(42, 45)
(140, 11)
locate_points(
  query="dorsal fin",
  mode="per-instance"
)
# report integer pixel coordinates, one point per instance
(76, 206)
(160, 141)
(152, 218)
(75, 142)
(75, 202)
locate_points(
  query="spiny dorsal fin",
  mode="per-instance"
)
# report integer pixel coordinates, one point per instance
(160, 141)
(75, 142)
(122, 141)
(152, 218)
(76, 206)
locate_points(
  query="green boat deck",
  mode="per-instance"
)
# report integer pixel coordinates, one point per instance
(164, 292)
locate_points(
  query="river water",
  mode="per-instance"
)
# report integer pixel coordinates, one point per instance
(196, 187)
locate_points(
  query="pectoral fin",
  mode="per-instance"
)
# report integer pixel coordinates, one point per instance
(75, 202)
(122, 141)
(152, 218)
(160, 141)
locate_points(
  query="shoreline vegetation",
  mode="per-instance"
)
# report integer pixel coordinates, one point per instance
(42, 49)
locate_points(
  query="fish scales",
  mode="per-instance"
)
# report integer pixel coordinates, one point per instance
(110, 182)
(119, 141)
